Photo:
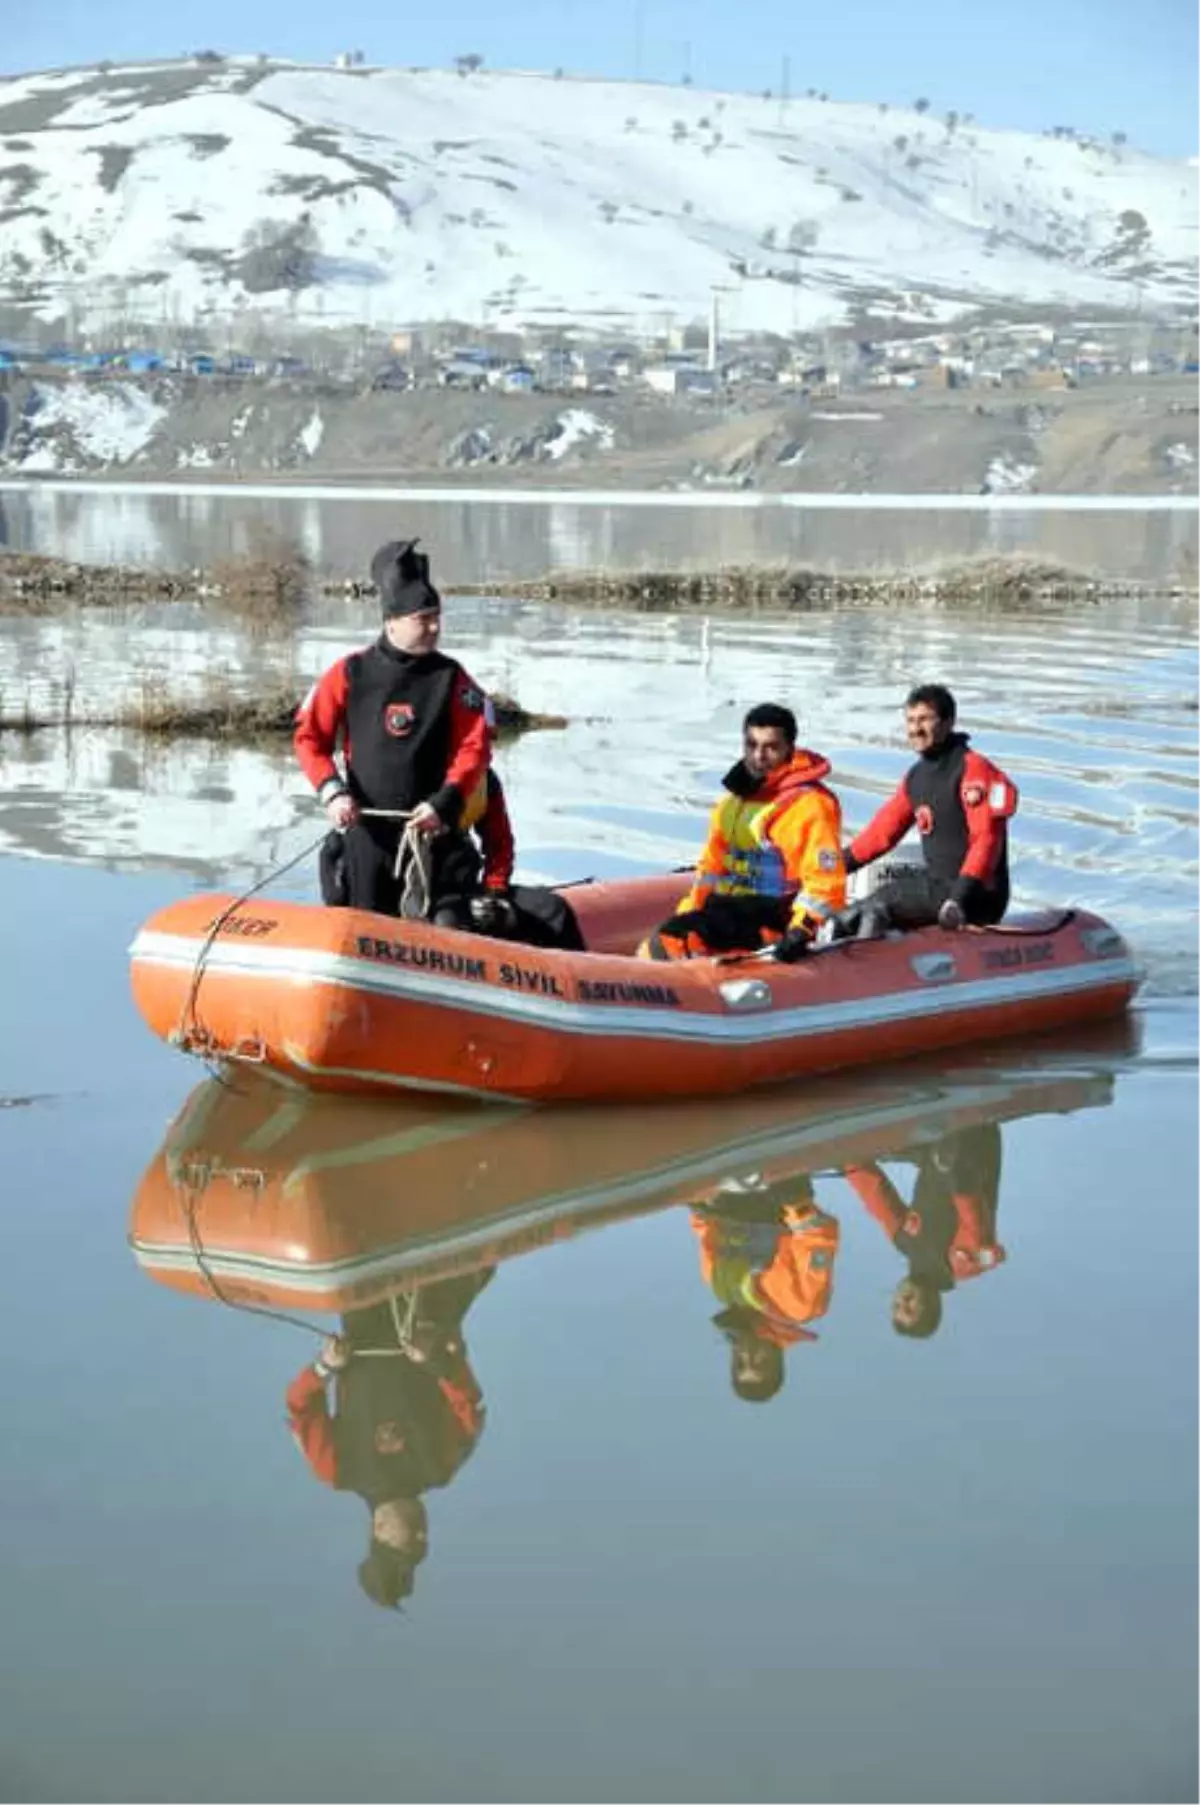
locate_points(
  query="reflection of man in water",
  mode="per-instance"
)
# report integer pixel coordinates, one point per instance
(948, 1232)
(408, 1413)
(767, 1252)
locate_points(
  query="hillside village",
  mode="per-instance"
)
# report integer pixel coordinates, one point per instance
(692, 360)
(245, 265)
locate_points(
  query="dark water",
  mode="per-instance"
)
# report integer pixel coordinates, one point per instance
(960, 1567)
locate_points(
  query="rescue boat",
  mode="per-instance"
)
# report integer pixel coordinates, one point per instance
(266, 1198)
(344, 1000)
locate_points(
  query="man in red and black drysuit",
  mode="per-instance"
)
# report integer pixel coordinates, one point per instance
(947, 1234)
(408, 1413)
(530, 913)
(961, 804)
(413, 737)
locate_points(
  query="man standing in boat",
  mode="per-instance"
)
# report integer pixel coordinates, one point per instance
(771, 871)
(961, 804)
(414, 739)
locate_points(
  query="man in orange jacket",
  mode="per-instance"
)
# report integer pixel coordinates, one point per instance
(771, 871)
(767, 1253)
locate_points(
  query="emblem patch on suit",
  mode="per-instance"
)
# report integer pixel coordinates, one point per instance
(924, 819)
(398, 718)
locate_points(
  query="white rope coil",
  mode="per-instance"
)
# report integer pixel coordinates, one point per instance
(414, 864)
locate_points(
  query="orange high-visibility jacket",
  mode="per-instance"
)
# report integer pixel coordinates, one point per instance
(783, 839)
(783, 1271)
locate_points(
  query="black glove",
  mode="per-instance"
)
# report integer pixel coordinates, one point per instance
(849, 862)
(795, 943)
(492, 913)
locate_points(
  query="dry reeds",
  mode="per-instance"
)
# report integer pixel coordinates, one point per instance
(991, 582)
(216, 708)
(31, 583)
(267, 586)
(213, 710)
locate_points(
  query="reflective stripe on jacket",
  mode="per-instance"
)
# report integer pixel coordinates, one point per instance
(781, 839)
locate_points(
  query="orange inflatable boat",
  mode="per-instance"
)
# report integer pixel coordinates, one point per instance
(337, 999)
(264, 1198)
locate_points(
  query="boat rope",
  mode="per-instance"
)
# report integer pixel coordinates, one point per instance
(190, 1193)
(413, 869)
(191, 1035)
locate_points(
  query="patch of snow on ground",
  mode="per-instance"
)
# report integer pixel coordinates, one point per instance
(1180, 456)
(576, 426)
(44, 459)
(819, 414)
(198, 458)
(108, 426)
(1006, 477)
(241, 422)
(310, 436)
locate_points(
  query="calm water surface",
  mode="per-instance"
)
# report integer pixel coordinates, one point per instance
(959, 1567)
(480, 541)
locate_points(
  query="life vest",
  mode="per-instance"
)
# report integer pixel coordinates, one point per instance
(779, 838)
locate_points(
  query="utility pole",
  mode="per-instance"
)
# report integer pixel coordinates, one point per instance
(785, 76)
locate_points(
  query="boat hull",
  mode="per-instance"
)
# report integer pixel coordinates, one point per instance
(343, 1000)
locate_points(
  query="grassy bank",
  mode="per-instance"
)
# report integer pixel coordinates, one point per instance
(217, 709)
(270, 587)
(979, 582)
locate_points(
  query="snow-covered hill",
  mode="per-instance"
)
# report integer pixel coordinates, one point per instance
(397, 196)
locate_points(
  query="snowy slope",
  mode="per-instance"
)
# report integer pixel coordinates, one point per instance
(523, 197)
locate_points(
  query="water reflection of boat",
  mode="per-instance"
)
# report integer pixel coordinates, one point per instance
(338, 999)
(261, 1196)
(397, 1217)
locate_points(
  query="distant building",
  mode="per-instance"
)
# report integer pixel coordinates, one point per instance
(462, 373)
(597, 379)
(556, 367)
(394, 376)
(141, 363)
(1049, 377)
(679, 379)
(516, 380)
